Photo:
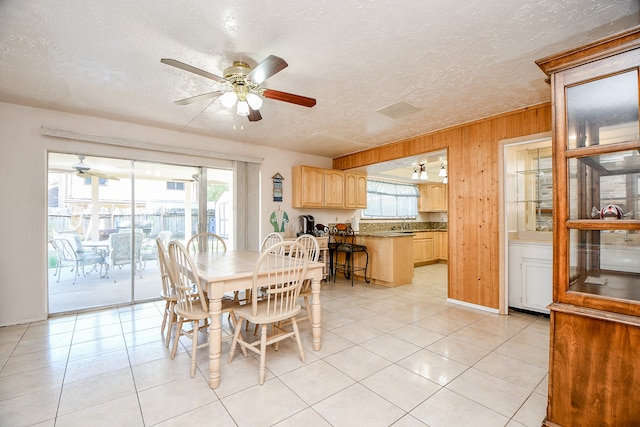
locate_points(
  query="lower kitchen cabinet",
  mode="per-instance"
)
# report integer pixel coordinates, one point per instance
(390, 260)
(430, 247)
(443, 249)
(530, 275)
(424, 247)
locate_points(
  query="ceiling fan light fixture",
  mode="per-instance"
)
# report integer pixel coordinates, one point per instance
(243, 108)
(443, 171)
(228, 99)
(255, 102)
(414, 175)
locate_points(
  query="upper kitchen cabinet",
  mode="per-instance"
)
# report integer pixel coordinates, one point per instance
(333, 188)
(433, 197)
(327, 188)
(595, 314)
(355, 190)
(307, 185)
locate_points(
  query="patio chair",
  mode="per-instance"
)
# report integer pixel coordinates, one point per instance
(121, 251)
(283, 276)
(76, 258)
(149, 251)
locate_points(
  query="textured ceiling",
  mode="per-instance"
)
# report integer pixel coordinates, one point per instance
(455, 62)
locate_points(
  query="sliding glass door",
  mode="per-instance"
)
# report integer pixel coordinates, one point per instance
(166, 208)
(105, 215)
(88, 202)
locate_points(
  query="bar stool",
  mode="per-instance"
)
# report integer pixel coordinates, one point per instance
(345, 242)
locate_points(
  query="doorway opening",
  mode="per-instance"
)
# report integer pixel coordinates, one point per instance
(527, 226)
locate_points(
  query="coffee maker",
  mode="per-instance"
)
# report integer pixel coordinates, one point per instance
(307, 225)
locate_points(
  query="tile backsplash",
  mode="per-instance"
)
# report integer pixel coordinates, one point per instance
(373, 227)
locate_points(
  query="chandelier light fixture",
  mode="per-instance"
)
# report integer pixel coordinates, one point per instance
(420, 172)
(423, 173)
(443, 170)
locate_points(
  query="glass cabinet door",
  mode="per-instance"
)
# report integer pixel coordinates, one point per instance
(603, 111)
(598, 151)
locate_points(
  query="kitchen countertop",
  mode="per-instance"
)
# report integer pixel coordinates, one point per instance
(394, 233)
(386, 234)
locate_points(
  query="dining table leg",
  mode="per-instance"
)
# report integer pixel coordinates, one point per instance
(316, 320)
(215, 339)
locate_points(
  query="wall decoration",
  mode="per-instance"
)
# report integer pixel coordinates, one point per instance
(279, 220)
(277, 187)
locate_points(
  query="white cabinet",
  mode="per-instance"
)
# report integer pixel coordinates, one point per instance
(530, 275)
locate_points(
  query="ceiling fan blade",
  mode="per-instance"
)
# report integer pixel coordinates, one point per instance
(89, 174)
(267, 68)
(289, 97)
(254, 115)
(201, 97)
(192, 69)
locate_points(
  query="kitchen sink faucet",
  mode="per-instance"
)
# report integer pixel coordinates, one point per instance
(405, 225)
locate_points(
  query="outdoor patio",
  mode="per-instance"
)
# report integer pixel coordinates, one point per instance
(93, 291)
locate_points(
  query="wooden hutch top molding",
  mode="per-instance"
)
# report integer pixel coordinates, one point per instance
(609, 46)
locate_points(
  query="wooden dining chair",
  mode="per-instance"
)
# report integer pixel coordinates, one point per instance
(312, 247)
(270, 240)
(206, 242)
(192, 304)
(168, 292)
(282, 275)
(211, 242)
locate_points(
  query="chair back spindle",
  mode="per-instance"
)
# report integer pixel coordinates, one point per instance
(283, 280)
(206, 242)
(183, 268)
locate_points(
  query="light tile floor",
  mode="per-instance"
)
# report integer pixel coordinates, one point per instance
(402, 357)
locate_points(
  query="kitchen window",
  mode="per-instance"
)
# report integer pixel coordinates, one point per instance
(391, 200)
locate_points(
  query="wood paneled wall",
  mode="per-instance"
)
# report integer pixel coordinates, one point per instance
(472, 155)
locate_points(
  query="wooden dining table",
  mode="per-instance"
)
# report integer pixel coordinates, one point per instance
(223, 272)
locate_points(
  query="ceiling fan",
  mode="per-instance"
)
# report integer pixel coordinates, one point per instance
(84, 171)
(243, 86)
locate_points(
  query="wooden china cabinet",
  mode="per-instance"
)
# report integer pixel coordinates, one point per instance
(594, 359)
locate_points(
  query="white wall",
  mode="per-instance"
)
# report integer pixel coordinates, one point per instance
(23, 189)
